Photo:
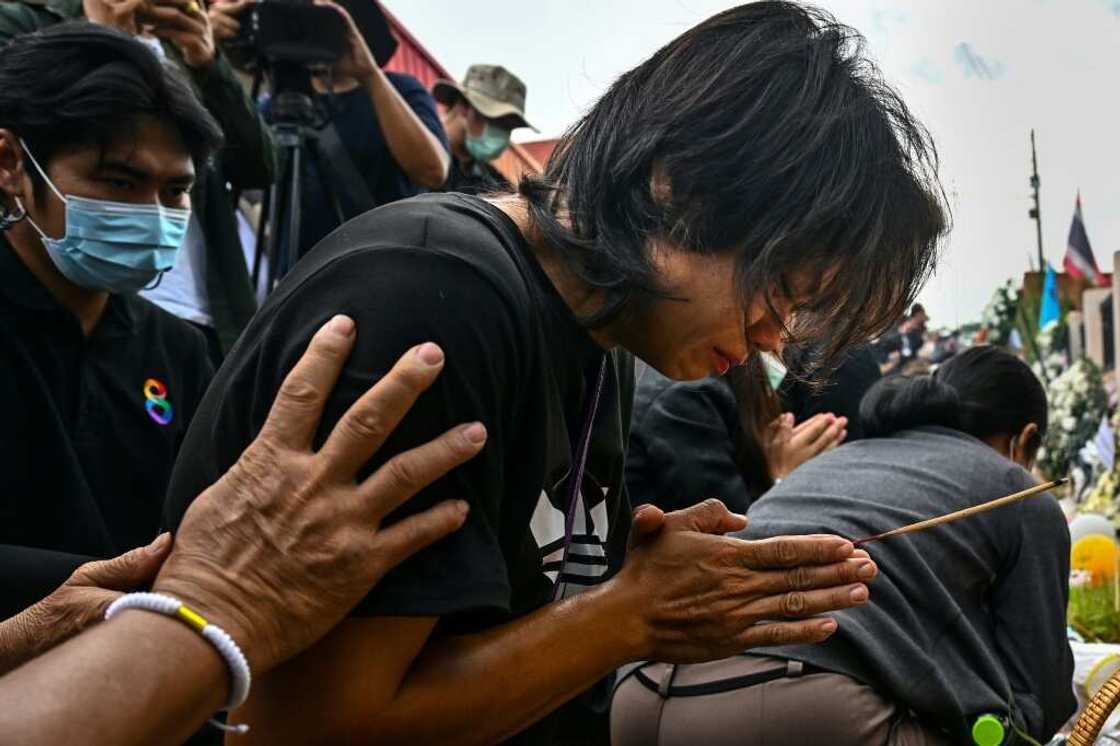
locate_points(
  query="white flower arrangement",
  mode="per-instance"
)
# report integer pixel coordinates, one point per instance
(1052, 358)
(999, 315)
(1077, 402)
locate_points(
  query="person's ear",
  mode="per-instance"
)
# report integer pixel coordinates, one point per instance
(13, 178)
(1020, 444)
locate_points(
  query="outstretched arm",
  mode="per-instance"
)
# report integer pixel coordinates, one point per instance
(143, 678)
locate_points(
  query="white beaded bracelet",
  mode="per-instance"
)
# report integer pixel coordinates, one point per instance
(235, 660)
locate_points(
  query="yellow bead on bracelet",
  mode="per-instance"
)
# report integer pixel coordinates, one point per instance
(240, 675)
(191, 617)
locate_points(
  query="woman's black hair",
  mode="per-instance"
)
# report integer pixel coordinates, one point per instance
(984, 391)
(758, 405)
(765, 133)
(79, 84)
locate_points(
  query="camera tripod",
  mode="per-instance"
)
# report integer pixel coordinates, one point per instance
(278, 234)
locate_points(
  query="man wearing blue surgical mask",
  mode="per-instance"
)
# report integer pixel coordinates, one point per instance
(99, 145)
(481, 113)
(209, 285)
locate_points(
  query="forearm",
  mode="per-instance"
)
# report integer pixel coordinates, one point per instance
(140, 679)
(472, 689)
(418, 152)
(483, 688)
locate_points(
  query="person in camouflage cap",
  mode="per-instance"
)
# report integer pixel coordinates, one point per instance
(481, 113)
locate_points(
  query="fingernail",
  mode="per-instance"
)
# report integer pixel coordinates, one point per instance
(430, 354)
(858, 594)
(463, 507)
(341, 325)
(845, 549)
(867, 570)
(828, 626)
(158, 545)
(475, 432)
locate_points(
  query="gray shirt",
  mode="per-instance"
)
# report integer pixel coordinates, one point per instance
(965, 618)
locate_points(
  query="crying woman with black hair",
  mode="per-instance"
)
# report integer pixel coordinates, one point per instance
(966, 619)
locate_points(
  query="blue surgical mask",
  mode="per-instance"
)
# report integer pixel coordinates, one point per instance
(489, 145)
(115, 246)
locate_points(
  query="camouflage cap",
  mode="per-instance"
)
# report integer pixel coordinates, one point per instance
(491, 89)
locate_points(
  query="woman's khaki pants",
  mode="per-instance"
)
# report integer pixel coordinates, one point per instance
(795, 707)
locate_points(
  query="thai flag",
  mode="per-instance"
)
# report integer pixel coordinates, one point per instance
(1079, 261)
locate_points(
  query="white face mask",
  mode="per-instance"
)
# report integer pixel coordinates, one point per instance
(775, 370)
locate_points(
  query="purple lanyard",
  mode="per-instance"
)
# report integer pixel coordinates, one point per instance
(581, 464)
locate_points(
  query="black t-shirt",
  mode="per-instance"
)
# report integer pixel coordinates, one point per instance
(454, 270)
(92, 426)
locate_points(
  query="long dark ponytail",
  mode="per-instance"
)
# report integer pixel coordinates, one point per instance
(983, 391)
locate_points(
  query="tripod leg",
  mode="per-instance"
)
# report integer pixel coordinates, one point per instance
(277, 198)
(294, 207)
(262, 233)
(315, 158)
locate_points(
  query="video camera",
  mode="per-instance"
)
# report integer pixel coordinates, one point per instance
(298, 31)
(289, 40)
(294, 32)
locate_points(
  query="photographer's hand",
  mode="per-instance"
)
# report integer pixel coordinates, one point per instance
(187, 26)
(420, 154)
(357, 61)
(225, 18)
(118, 14)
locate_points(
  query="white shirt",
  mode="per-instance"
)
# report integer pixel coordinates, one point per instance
(182, 291)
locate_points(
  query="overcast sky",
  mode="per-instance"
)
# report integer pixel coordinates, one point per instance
(980, 74)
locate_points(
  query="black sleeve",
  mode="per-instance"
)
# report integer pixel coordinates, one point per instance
(1029, 609)
(399, 298)
(682, 446)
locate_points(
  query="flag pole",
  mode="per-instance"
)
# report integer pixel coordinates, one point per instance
(1036, 212)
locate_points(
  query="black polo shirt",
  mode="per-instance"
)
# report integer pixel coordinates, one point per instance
(91, 427)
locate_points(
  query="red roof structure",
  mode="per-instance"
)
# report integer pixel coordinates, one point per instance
(540, 150)
(412, 58)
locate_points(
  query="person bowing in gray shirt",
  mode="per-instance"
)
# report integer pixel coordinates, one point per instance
(967, 619)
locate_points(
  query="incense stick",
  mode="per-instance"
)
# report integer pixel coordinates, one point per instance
(965, 513)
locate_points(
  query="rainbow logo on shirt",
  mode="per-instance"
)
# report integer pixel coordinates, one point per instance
(159, 409)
